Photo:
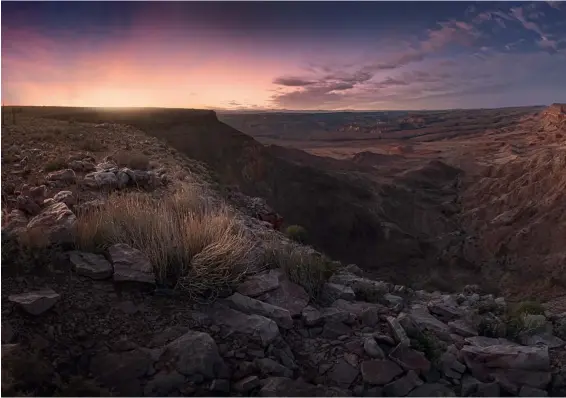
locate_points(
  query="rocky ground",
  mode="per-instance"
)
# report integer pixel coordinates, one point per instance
(82, 323)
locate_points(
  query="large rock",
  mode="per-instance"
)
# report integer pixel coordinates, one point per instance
(333, 291)
(257, 327)
(27, 205)
(82, 166)
(36, 302)
(445, 308)
(269, 367)
(343, 373)
(15, 221)
(462, 328)
(95, 266)
(512, 379)
(546, 339)
(507, 356)
(357, 308)
(195, 353)
(249, 305)
(424, 321)
(130, 265)
(67, 176)
(66, 197)
(57, 222)
(103, 179)
(288, 295)
(261, 283)
(365, 289)
(404, 385)
(311, 316)
(398, 331)
(410, 359)
(123, 371)
(380, 372)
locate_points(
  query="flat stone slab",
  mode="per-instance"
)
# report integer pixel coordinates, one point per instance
(130, 265)
(36, 302)
(250, 305)
(257, 327)
(380, 372)
(507, 357)
(259, 284)
(95, 266)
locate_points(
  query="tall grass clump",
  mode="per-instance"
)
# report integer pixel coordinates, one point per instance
(309, 270)
(194, 245)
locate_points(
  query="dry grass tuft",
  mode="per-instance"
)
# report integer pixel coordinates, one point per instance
(306, 269)
(193, 245)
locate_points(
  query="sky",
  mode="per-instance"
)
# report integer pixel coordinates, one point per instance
(284, 55)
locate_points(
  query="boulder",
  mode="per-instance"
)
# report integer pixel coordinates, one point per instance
(67, 176)
(122, 371)
(27, 205)
(507, 357)
(249, 305)
(95, 266)
(66, 197)
(357, 308)
(462, 328)
(404, 385)
(446, 309)
(398, 331)
(532, 392)
(35, 302)
(365, 289)
(194, 353)
(259, 284)
(333, 291)
(15, 221)
(288, 295)
(373, 349)
(343, 373)
(103, 179)
(544, 338)
(130, 265)
(410, 359)
(311, 316)
(246, 384)
(424, 321)
(57, 222)
(285, 387)
(164, 383)
(81, 166)
(123, 178)
(380, 372)
(257, 327)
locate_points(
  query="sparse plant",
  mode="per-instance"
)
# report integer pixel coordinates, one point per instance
(55, 164)
(491, 326)
(92, 145)
(429, 344)
(197, 247)
(306, 269)
(297, 233)
(528, 307)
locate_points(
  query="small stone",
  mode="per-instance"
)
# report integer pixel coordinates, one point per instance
(383, 338)
(66, 175)
(94, 266)
(334, 291)
(462, 328)
(163, 384)
(246, 384)
(432, 390)
(250, 305)
(373, 349)
(334, 330)
(36, 302)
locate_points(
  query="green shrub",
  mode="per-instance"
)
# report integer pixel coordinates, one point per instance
(297, 233)
(429, 344)
(306, 269)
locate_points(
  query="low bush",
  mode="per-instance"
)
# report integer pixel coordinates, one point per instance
(297, 233)
(193, 245)
(55, 164)
(306, 269)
